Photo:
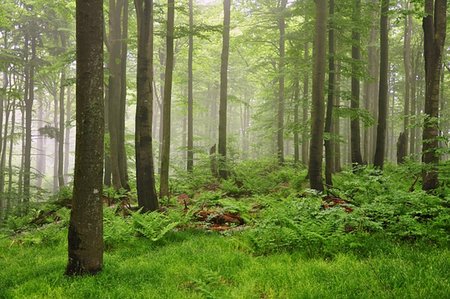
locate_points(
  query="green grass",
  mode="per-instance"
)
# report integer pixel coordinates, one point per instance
(196, 264)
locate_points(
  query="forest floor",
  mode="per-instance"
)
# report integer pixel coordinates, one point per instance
(262, 235)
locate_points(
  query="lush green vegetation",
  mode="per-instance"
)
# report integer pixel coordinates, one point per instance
(260, 234)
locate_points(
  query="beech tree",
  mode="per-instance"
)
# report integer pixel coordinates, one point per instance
(222, 148)
(145, 177)
(383, 86)
(86, 218)
(318, 107)
(167, 101)
(434, 29)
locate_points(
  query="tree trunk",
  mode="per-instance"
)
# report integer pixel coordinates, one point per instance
(434, 28)
(305, 137)
(61, 120)
(114, 86)
(190, 120)
(337, 122)
(296, 121)
(355, 135)
(317, 113)
(123, 165)
(383, 86)
(145, 178)
(281, 75)
(222, 148)
(329, 143)
(167, 101)
(86, 219)
(67, 135)
(28, 123)
(408, 78)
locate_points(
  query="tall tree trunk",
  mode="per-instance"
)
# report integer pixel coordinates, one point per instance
(281, 75)
(114, 85)
(222, 148)
(317, 113)
(190, 119)
(337, 121)
(434, 28)
(296, 121)
(167, 101)
(383, 86)
(305, 137)
(28, 123)
(408, 77)
(123, 165)
(329, 143)
(355, 135)
(61, 121)
(145, 177)
(56, 139)
(67, 135)
(86, 219)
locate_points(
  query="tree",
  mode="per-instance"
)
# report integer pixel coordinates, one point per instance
(222, 148)
(383, 86)
(145, 177)
(281, 77)
(434, 29)
(86, 219)
(116, 91)
(355, 135)
(317, 112)
(190, 119)
(329, 144)
(167, 101)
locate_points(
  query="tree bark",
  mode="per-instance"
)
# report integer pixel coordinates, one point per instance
(281, 77)
(305, 137)
(86, 219)
(355, 136)
(114, 86)
(145, 178)
(222, 147)
(434, 28)
(329, 143)
(383, 86)
(190, 119)
(317, 113)
(408, 78)
(167, 101)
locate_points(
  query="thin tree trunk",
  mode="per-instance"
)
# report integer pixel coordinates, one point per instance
(296, 121)
(123, 165)
(337, 121)
(383, 86)
(67, 134)
(222, 148)
(408, 77)
(28, 123)
(190, 118)
(305, 137)
(355, 135)
(281, 75)
(61, 121)
(329, 143)
(167, 101)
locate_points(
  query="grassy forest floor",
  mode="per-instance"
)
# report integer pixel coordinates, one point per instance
(261, 234)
